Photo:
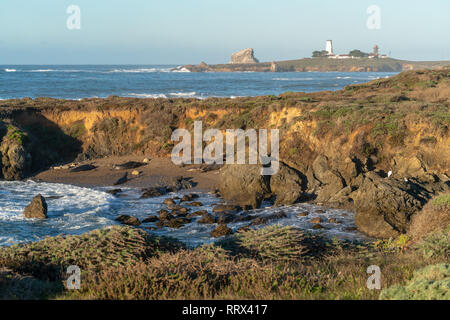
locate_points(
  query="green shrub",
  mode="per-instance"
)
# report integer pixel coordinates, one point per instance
(429, 283)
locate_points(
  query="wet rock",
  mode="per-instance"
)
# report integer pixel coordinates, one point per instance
(384, 206)
(153, 192)
(318, 226)
(189, 197)
(351, 229)
(243, 184)
(128, 220)
(169, 202)
(243, 229)
(164, 215)
(266, 219)
(197, 213)
(128, 165)
(176, 223)
(220, 231)
(207, 219)
(286, 185)
(37, 209)
(320, 211)
(150, 219)
(316, 220)
(334, 220)
(226, 208)
(303, 214)
(83, 168)
(195, 204)
(114, 192)
(179, 210)
(224, 218)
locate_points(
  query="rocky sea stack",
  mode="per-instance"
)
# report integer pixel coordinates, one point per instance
(37, 209)
(243, 57)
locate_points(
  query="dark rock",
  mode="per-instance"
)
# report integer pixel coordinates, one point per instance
(316, 220)
(224, 218)
(37, 209)
(114, 191)
(84, 167)
(153, 192)
(150, 219)
(179, 210)
(334, 220)
(384, 206)
(197, 213)
(176, 223)
(243, 184)
(243, 229)
(195, 204)
(286, 185)
(303, 214)
(164, 215)
(207, 219)
(226, 208)
(266, 219)
(169, 202)
(318, 226)
(220, 231)
(128, 220)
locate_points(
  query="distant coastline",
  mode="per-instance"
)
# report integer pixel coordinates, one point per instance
(322, 65)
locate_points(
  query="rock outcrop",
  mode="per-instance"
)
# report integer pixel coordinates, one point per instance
(286, 186)
(15, 160)
(384, 206)
(243, 184)
(245, 56)
(37, 209)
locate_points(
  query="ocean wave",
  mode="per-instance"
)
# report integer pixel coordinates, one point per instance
(10, 70)
(293, 79)
(162, 95)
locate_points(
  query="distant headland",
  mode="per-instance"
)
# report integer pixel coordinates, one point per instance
(321, 61)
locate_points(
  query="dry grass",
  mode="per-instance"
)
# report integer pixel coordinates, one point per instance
(257, 270)
(434, 216)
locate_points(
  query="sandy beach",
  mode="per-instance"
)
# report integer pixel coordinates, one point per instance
(156, 172)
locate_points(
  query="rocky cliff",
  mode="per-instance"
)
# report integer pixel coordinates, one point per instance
(337, 148)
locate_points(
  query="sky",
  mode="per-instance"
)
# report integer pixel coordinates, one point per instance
(191, 31)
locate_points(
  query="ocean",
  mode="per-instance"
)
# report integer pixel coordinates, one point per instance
(162, 81)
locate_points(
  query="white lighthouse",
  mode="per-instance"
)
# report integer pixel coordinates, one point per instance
(329, 47)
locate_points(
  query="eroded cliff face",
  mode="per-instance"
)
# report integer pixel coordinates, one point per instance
(342, 144)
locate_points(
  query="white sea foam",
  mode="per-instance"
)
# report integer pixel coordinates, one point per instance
(75, 210)
(293, 79)
(10, 70)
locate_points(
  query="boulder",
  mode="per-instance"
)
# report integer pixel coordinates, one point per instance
(153, 192)
(128, 220)
(220, 231)
(207, 219)
(243, 184)
(384, 206)
(37, 209)
(244, 57)
(286, 185)
(330, 182)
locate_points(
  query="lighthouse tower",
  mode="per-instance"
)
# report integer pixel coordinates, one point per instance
(329, 47)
